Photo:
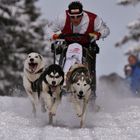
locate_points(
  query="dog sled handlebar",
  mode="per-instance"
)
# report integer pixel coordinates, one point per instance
(83, 39)
(63, 40)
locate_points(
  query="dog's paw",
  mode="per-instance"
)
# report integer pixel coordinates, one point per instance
(79, 114)
(53, 113)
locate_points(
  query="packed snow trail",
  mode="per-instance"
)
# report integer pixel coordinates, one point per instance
(118, 119)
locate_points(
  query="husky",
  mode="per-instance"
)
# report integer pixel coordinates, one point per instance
(52, 81)
(79, 86)
(33, 67)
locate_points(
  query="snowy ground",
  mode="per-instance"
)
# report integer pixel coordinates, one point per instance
(118, 119)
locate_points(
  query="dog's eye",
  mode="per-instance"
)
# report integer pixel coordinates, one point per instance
(29, 56)
(78, 84)
(36, 56)
(85, 84)
(51, 76)
(56, 76)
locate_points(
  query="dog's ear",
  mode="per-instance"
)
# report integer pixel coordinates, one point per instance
(88, 77)
(26, 56)
(40, 56)
(89, 81)
(73, 78)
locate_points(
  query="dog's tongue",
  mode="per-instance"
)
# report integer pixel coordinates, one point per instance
(32, 66)
(53, 88)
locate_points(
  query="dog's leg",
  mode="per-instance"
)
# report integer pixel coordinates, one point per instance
(82, 120)
(48, 105)
(34, 109)
(77, 107)
(43, 108)
(83, 113)
(50, 112)
(50, 118)
(47, 100)
(56, 102)
(33, 102)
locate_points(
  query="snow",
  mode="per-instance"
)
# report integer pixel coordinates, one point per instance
(118, 119)
(134, 24)
(126, 2)
(132, 50)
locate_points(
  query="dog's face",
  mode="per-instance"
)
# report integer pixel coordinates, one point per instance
(54, 75)
(33, 62)
(81, 85)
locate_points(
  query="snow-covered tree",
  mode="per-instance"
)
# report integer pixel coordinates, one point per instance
(34, 26)
(21, 32)
(133, 27)
(128, 2)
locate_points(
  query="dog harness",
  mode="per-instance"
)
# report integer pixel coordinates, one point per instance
(36, 85)
(50, 91)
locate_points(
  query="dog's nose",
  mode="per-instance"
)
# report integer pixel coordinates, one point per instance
(80, 92)
(31, 59)
(53, 82)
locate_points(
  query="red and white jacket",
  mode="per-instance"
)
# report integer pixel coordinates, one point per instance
(89, 23)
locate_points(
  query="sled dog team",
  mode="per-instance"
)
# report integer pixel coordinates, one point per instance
(45, 84)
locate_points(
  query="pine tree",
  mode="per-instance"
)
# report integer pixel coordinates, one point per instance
(20, 33)
(34, 27)
(133, 27)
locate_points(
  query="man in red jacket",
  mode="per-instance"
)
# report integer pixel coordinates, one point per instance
(77, 20)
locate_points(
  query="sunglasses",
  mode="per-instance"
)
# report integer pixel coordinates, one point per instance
(75, 17)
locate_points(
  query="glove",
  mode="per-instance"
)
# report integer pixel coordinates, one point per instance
(55, 36)
(56, 47)
(95, 36)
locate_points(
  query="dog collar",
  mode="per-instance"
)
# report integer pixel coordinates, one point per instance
(39, 71)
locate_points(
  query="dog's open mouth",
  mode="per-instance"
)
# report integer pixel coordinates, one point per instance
(33, 66)
(80, 96)
(53, 88)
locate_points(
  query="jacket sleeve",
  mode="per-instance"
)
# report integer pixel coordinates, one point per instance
(56, 26)
(101, 27)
